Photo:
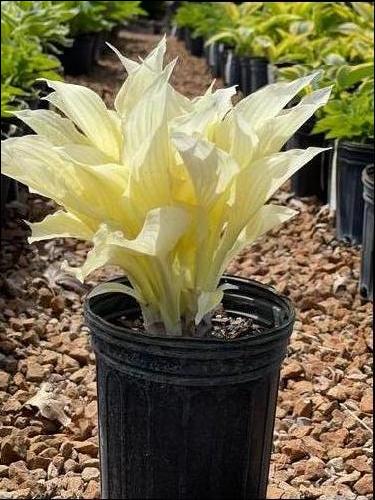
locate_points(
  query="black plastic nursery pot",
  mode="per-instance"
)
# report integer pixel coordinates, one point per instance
(99, 44)
(313, 178)
(367, 257)
(352, 158)
(79, 59)
(187, 39)
(196, 46)
(214, 59)
(180, 34)
(232, 69)
(254, 74)
(183, 418)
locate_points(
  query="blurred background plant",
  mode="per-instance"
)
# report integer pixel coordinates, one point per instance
(35, 33)
(30, 32)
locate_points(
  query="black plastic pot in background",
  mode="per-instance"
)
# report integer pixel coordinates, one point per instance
(188, 417)
(254, 74)
(187, 39)
(99, 44)
(232, 69)
(79, 59)
(196, 46)
(180, 34)
(352, 158)
(313, 178)
(214, 59)
(223, 51)
(366, 287)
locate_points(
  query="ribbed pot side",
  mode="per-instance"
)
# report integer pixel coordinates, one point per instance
(184, 418)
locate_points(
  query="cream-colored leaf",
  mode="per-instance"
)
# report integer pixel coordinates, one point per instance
(210, 169)
(115, 288)
(207, 301)
(161, 230)
(56, 129)
(87, 110)
(60, 225)
(268, 101)
(84, 154)
(275, 132)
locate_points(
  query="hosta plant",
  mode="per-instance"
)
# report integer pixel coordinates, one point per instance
(167, 188)
(44, 21)
(357, 108)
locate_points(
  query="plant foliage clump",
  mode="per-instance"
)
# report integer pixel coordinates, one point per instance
(167, 188)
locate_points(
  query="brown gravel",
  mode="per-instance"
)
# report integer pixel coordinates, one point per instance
(323, 432)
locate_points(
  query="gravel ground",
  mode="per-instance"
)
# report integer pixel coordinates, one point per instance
(323, 436)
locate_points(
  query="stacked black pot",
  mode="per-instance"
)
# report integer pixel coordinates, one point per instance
(254, 74)
(232, 68)
(367, 255)
(313, 178)
(352, 158)
(86, 50)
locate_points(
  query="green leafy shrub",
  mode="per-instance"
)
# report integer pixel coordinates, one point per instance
(118, 12)
(96, 16)
(43, 21)
(90, 17)
(204, 19)
(23, 59)
(349, 117)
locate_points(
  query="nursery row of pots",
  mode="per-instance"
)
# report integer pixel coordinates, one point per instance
(335, 177)
(249, 73)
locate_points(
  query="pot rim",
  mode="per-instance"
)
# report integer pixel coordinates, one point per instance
(113, 332)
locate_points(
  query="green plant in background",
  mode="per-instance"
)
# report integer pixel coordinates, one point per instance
(351, 116)
(90, 17)
(10, 99)
(96, 16)
(242, 26)
(118, 12)
(42, 21)
(204, 19)
(22, 58)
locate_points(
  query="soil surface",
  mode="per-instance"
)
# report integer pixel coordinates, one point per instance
(48, 433)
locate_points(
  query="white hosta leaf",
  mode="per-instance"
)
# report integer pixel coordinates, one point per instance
(60, 225)
(210, 169)
(87, 110)
(275, 132)
(116, 288)
(84, 154)
(208, 301)
(209, 109)
(56, 129)
(260, 180)
(265, 219)
(128, 64)
(268, 101)
(147, 115)
(154, 59)
(32, 161)
(244, 141)
(162, 229)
